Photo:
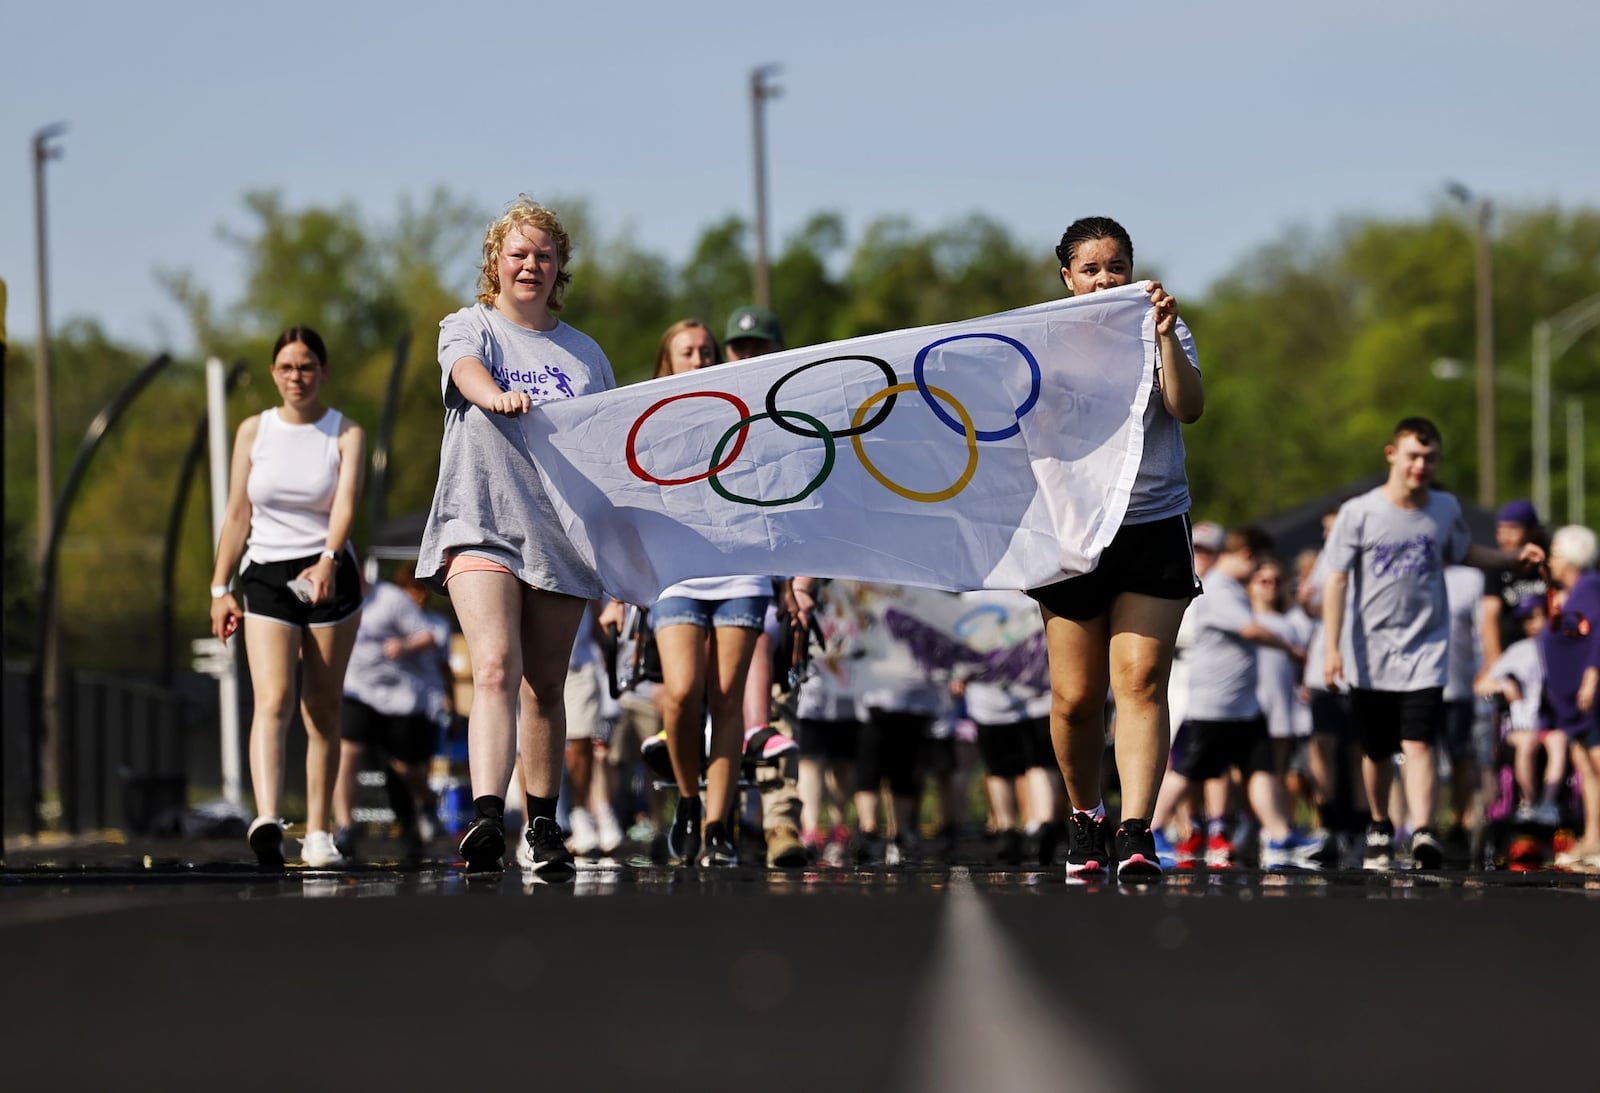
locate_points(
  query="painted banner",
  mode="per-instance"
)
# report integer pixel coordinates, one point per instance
(990, 453)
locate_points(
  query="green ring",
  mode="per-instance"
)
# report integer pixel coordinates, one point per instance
(821, 476)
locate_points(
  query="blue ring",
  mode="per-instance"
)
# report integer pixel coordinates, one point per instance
(944, 415)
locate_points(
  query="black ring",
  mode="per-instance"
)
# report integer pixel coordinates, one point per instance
(865, 427)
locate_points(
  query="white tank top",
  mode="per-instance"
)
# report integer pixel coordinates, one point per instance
(293, 472)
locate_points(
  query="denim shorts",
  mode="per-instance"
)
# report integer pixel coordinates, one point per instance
(745, 612)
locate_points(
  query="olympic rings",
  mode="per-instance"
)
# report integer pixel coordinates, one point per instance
(724, 455)
(856, 430)
(894, 487)
(743, 429)
(632, 450)
(988, 434)
(968, 624)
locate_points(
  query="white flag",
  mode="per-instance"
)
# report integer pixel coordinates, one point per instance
(991, 453)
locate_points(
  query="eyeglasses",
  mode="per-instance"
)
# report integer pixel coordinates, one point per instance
(287, 370)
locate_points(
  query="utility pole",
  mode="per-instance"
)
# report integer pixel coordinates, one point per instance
(1483, 211)
(762, 89)
(43, 409)
(45, 438)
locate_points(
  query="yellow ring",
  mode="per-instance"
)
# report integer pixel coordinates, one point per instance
(894, 487)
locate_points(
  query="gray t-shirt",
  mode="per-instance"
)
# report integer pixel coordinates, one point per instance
(1463, 587)
(1222, 665)
(1161, 488)
(490, 502)
(411, 683)
(1400, 624)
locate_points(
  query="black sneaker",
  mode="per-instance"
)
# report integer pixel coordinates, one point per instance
(683, 838)
(1426, 851)
(1379, 852)
(1086, 846)
(719, 848)
(345, 842)
(266, 840)
(1135, 845)
(483, 847)
(1008, 848)
(1049, 838)
(547, 853)
(870, 848)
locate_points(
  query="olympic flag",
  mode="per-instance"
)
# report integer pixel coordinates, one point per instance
(991, 453)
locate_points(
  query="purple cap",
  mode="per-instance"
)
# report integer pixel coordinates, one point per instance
(1520, 512)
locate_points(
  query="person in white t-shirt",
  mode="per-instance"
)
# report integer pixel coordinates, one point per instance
(291, 502)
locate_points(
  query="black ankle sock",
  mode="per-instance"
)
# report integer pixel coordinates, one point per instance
(715, 830)
(541, 806)
(493, 808)
(690, 807)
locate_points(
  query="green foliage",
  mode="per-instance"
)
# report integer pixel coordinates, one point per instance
(1312, 346)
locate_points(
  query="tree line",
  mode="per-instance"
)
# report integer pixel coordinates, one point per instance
(1312, 345)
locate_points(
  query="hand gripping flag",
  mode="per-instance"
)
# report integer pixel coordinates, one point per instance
(991, 453)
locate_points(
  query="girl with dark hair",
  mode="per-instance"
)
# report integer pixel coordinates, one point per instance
(1114, 628)
(295, 480)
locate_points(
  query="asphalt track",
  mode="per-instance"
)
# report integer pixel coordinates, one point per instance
(192, 971)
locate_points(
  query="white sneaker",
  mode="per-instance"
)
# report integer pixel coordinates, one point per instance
(1524, 813)
(609, 832)
(319, 852)
(584, 836)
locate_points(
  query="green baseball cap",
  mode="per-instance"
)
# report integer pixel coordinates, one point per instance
(753, 322)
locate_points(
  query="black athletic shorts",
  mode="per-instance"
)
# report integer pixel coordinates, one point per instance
(1009, 751)
(834, 741)
(1385, 718)
(1154, 559)
(264, 587)
(410, 738)
(1212, 748)
(1330, 713)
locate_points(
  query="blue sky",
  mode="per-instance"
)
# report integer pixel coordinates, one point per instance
(1207, 128)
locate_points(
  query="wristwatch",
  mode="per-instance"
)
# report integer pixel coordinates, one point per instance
(219, 590)
(330, 555)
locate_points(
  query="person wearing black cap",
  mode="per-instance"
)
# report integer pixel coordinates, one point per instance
(1504, 590)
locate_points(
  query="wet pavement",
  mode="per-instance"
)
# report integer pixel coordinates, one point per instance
(180, 966)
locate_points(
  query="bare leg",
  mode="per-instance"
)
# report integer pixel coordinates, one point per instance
(1079, 680)
(549, 625)
(324, 656)
(1421, 782)
(1144, 632)
(273, 649)
(1377, 776)
(683, 654)
(732, 649)
(352, 757)
(489, 607)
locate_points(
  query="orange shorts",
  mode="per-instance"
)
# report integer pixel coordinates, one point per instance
(471, 563)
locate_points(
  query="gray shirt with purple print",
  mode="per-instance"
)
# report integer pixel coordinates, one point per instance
(1400, 618)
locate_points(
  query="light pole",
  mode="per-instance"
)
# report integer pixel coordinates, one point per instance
(44, 424)
(1482, 212)
(762, 89)
(44, 416)
(1551, 338)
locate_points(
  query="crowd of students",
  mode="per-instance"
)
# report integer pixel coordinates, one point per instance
(1225, 705)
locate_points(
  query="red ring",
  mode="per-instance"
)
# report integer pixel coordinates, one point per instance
(733, 453)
